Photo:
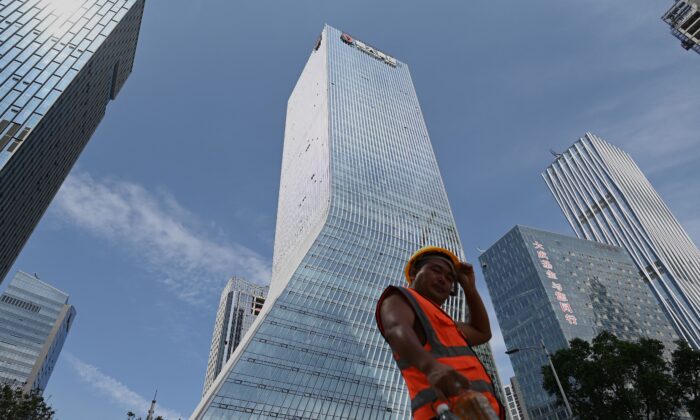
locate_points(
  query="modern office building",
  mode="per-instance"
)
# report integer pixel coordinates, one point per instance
(606, 198)
(35, 319)
(552, 287)
(240, 304)
(512, 403)
(360, 192)
(519, 401)
(61, 62)
(684, 19)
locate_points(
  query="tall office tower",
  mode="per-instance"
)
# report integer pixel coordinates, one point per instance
(684, 19)
(35, 319)
(240, 304)
(61, 61)
(511, 403)
(360, 192)
(606, 198)
(518, 396)
(551, 287)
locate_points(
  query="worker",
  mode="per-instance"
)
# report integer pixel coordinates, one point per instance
(432, 350)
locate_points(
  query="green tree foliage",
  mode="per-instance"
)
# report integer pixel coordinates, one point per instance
(686, 370)
(615, 379)
(14, 404)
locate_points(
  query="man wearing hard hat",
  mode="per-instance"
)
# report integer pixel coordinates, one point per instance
(432, 350)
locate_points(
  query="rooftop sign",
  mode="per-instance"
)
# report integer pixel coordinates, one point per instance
(369, 50)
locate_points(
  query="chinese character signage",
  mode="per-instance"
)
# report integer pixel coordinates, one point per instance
(557, 289)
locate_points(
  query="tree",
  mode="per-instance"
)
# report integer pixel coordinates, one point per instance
(614, 379)
(686, 370)
(15, 404)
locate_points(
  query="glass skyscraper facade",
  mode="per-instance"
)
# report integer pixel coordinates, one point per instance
(240, 303)
(360, 191)
(552, 287)
(684, 19)
(35, 319)
(61, 62)
(606, 198)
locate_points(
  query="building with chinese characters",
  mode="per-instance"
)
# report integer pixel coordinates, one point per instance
(551, 287)
(360, 191)
(239, 305)
(61, 63)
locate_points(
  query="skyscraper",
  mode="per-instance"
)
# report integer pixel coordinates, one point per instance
(552, 287)
(684, 19)
(606, 198)
(512, 404)
(360, 191)
(518, 396)
(240, 303)
(60, 64)
(35, 319)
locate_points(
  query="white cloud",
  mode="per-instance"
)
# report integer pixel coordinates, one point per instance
(116, 391)
(156, 228)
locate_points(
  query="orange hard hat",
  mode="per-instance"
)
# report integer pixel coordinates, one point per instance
(425, 251)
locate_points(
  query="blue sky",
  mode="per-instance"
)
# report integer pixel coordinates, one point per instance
(177, 190)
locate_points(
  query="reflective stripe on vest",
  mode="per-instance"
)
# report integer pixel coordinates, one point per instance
(456, 353)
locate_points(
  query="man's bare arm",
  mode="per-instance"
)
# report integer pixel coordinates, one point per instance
(478, 329)
(398, 319)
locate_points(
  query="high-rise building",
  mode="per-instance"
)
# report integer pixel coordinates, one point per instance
(35, 319)
(552, 287)
(519, 401)
(606, 198)
(512, 404)
(240, 304)
(60, 64)
(684, 19)
(360, 192)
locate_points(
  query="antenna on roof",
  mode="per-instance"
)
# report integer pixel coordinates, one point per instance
(554, 153)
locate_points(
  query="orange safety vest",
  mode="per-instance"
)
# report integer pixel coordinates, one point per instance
(445, 342)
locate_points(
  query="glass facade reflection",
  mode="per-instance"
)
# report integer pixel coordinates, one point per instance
(554, 287)
(606, 198)
(35, 319)
(240, 303)
(61, 62)
(360, 191)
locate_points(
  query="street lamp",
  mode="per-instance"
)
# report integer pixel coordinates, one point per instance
(554, 371)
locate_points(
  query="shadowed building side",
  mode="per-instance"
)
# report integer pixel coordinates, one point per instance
(60, 64)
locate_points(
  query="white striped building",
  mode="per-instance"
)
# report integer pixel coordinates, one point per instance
(606, 198)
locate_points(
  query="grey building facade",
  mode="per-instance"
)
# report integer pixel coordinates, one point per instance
(519, 400)
(360, 191)
(606, 198)
(61, 62)
(35, 319)
(240, 304)
(511, 403)
(684, 19)
(554, 287)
